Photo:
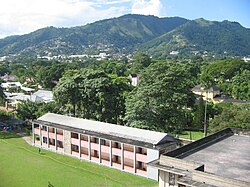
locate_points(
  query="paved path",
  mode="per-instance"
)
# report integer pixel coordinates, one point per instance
(28, 139)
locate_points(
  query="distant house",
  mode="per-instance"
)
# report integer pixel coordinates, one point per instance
(174, 53)
(45, 95)
(225, 98)
(134, 79)
(207, 94)
(214, 95)
(8, 85)
(40, 96)
(8, 77)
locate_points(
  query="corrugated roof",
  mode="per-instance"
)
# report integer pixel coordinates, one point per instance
(107, 128)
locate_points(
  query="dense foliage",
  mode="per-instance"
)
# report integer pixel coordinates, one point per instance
(159, 100)
(231, 115)
(101, 90)
(92, 94)
(224, 38)
(231, 75)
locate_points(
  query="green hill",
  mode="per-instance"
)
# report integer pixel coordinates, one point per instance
(124, 33)
(204, 36)
(128, 33)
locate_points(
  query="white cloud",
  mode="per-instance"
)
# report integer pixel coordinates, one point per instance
(24, 16)
(147, 7)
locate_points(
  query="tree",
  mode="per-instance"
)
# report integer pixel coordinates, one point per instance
(240, 85)
(49, 75)
(27, 110)
(225, 69)
(92, 94)
(231, 115)
(120, 88)
(158, 103)
(140, 62)
(67, 93)
(199, 114)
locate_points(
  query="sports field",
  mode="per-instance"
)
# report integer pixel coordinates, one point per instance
(21, 165)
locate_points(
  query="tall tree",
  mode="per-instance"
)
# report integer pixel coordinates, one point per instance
(240, 85)
(158, 102)
(27, 110)
(199, 113)
(91, 94)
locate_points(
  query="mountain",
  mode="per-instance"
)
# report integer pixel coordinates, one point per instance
(128, 33)
(204, 36)
(123, 33)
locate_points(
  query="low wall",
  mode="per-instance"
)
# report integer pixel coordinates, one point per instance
(201, 142)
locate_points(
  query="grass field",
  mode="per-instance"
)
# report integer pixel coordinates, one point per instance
(191, 135)
(22, 166)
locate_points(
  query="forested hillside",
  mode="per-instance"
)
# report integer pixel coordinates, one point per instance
(228, 38)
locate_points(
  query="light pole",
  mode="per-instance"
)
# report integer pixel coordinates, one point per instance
(205, 115)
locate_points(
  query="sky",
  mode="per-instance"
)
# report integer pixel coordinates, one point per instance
(24, 16)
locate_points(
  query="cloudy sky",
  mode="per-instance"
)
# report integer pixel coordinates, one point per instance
(24, 16)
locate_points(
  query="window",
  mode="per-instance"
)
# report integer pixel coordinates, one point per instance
(116, 145)
(51, 141)
(116, 158)
(59, 144)
(44, 140)
(171, 179)
(96, 153)
(103, 142)
(139, 165)
(44, 128)
(140, 150)
(96, 140)
(74, 135)
(75, 148)
(181, 185)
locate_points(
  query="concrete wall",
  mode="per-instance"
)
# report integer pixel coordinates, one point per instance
(179, 163)
(216, 180)
(67, 142)
(152, 154)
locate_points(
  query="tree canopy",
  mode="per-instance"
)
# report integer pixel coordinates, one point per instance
(159, 100)
(92, 94)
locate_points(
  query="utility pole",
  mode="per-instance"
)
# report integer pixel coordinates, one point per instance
(205, 116)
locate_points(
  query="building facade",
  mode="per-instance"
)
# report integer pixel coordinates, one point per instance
(120, 147)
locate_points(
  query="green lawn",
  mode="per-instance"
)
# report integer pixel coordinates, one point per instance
(191, 135)
(22, 166)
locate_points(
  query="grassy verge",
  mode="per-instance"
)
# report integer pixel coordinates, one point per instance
(191, 135)
(22, 166)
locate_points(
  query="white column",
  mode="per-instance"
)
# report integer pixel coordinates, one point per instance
(47, 136)
(100, 149)
(55, 131)
(122, 156)
(89, 147)
(134, 159)
(79, 137)
(33, 134)
(110, 152)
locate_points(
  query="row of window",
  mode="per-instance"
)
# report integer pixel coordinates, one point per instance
(52, 142)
